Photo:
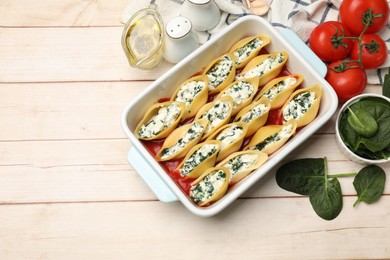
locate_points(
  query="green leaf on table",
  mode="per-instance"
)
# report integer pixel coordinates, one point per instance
(326, 198)
(369, 184)
(297, 175)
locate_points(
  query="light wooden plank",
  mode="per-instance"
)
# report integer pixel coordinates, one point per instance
(65, 111)
(97, 170)
(62, 13)
(252, 229)
(67, 55)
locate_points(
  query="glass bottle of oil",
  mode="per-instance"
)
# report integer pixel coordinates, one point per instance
(143, 38)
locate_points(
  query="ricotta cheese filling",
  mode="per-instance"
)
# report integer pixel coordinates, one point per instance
(164, 118)
(299, 105)
(241, 163)
(219, 72)
(240, 92)
(189, 91)
(245, 51)
(195, 131)
(285, 132)
(197, 157)
(229, 135)
(255, 112)
(216, 114)
(279, 87)
(208, 187)
(263, 67)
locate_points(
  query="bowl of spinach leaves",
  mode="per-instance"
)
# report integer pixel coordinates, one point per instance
(363, 129)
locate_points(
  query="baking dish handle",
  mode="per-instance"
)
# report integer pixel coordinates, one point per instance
(306, 52)
(148, 174)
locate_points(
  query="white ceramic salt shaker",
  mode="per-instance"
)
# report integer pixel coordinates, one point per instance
(204, 14)
(180, 40)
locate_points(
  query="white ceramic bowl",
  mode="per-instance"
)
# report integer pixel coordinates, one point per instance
(343, 148)
(301, 60)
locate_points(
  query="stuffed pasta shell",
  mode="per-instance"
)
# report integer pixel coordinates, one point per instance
(181, 140)
(248, 48)
(255, 115)
(270, 138)
(201, 157)
(210, 186)
(193, 93)
(265, 66)
(220, 72)
(279, 89)
(217, 113)
(160, 120)
(242, 93)
(231, 137)
(242, 163)
(303, 105)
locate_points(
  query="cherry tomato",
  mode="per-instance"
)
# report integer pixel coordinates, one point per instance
(356, 13)
(347, 83)
(374, 51)
(326, 40)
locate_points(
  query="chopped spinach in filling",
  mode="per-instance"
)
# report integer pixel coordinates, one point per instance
(239, 92)
(265, 66)
(197, 157)
(245, 51)
(219, 72)
(279, 87)
(241, 163)
(159, 122)
(216, 114)
(208, 187)
(299, 105)
(194, 132)
(189, 91)
(229, 135)
(254, 113)
(286, 131)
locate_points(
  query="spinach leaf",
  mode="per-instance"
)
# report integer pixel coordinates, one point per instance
(369, 184)
(386, 85)
(296, 176)
(326, 198)
(362, 122)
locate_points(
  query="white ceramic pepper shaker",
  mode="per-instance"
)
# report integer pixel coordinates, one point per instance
(180, 40)
(204, 14)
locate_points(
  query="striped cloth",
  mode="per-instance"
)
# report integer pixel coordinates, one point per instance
(301, 16)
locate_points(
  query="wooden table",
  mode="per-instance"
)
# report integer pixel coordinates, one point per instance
(67, 191)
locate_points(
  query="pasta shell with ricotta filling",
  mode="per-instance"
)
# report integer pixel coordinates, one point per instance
(160, 120)
(303, 105)
(270, 138)
(255, 115)
(231, 137)
(246, 49)
(265, 66)
(220, 72)
(194, 93)
(241, 164)
(181, 140)
(201, 157)
(210, 186)
(242, 93)
(217, 113)
(279, 89)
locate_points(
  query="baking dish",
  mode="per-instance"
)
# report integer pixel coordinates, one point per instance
(301, 60)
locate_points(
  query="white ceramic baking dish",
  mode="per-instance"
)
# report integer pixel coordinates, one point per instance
(301, 60)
